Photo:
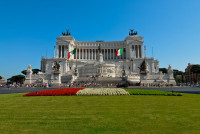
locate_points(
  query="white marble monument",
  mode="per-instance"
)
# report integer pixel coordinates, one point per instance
(90, 61)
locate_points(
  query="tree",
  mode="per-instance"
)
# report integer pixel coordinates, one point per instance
(1, 77)
(17, 79)
(179, 76)
(177, 72)
(164, 70)
(24, 72)
(196, 70)
(35, 71)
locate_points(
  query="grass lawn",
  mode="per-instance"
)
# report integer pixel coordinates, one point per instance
(100, 114)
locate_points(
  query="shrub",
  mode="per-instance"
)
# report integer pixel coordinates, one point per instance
(102, 91)
(151, 92)
(57, 92)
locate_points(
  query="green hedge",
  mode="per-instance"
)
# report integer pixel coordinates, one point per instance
(151, 92)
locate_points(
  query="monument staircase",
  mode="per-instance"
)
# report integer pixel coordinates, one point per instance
(67, 77)
(100, 81)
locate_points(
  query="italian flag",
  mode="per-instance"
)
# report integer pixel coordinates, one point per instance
(119, 52)
(71, 53)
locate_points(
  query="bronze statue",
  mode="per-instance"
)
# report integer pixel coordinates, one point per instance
(67, 31)
(143, 66)
(131, 33)
(56, 66)
(66, 34)
(63, 33)
(131, 30)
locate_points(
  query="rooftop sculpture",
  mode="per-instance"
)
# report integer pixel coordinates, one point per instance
(66, 34)
(131, 33)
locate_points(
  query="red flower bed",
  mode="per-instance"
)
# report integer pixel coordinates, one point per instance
(56, 92)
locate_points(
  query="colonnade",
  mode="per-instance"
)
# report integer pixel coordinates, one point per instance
(137, 51)
(62, 51)
(92, 54)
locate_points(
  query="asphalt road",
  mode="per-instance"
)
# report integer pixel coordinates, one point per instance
(192, 90)
(21, 90)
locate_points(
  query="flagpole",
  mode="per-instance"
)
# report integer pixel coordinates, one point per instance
(76, 56)
(68, 59)
(124, 56)
(123, 71)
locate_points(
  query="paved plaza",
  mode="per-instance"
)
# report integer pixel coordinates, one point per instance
(192, 90)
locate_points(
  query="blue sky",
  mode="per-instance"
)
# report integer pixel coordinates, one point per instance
(29, 28)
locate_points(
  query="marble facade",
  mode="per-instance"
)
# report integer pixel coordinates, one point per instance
(88, 65)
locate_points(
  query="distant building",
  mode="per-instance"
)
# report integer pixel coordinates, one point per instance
(2, 81)
(192, 73)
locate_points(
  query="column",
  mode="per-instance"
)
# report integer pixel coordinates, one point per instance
(131, 51)
(106, 54)
(138, 51)
(95, 55)
(85, 54)
(64, 52)
(88, 54)
(61, 52)
(110, 55)
(92, 54)
(113, 54)
(82, 53)
(135, 51)
(79, 53)
(142, 52)
(115, 57)
(57, 52)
